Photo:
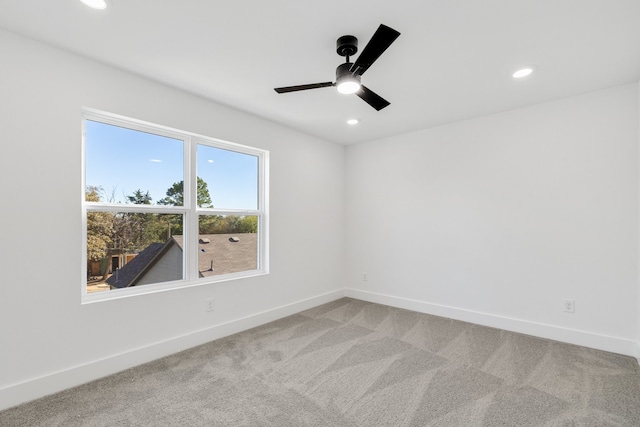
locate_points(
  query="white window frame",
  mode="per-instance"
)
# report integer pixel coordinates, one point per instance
(190, 210)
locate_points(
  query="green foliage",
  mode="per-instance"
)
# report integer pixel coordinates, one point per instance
(135, 226)
(134, 231)
(159, 230)
(247, 224)
(218, 224)
(210, 224)
(204, 199)
(140, 198)
(175, 195)
(99, 228)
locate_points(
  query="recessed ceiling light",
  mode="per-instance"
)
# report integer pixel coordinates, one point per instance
(96, 4)
(523, 72)
(353, 121)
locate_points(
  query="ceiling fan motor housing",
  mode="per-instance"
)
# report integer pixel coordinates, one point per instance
(344, 72)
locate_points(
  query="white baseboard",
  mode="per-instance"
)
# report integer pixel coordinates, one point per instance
(34, 388)
(586, 339)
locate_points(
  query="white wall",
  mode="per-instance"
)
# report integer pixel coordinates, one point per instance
(496, 220)
(50, 341)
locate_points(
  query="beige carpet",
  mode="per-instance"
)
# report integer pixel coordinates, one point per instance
(353, 363)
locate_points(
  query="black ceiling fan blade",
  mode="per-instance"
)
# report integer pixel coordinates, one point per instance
(287, 89)
(381, 40)
(372, 98)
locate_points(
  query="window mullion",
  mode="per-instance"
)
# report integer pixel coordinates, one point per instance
(191, 201)
(263, 220)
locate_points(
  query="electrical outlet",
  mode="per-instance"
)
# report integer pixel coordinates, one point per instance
(364, 277)
(209, 305)
(569, 306)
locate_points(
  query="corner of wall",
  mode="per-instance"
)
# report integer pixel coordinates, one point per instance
(638, 228)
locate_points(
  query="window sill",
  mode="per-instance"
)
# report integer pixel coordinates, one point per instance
(109, 295)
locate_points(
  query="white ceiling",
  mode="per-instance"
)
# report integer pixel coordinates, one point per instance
(452, 61)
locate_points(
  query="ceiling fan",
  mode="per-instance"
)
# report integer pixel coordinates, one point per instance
(348, 74)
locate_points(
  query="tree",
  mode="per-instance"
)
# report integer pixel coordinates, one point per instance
(219, 224)
(146, 224)
(131, 229)
(136, 230)
(209, 224)
(140, 198)
(204, 199)
(99, 228)
(247, 224)
(175, 195)
(92, 193)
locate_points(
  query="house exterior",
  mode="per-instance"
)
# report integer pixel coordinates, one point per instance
(162, 262)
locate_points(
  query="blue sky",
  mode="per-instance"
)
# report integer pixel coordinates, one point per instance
(122, 161)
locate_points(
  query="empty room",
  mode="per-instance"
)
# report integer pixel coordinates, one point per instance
(347, 213)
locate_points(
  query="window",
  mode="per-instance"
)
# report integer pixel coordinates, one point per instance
(165, 208)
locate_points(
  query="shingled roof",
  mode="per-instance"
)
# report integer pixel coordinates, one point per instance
(134, 269)
(217, 254)
(224, 254)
